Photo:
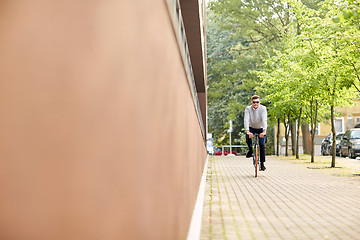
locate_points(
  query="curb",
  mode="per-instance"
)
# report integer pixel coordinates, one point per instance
(195, 225)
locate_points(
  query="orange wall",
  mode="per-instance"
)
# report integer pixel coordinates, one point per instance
(99, 135)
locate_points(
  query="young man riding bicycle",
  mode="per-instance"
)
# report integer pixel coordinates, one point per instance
(255, 121)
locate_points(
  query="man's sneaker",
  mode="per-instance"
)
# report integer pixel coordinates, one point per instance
(249, 154)
(262, 167)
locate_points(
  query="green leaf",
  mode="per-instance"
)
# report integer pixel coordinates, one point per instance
(346, 14)
(336, 19)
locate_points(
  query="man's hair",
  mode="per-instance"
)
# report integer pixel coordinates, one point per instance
(255, 97)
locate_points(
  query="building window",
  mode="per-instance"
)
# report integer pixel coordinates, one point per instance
(339, 124)
(357, 120)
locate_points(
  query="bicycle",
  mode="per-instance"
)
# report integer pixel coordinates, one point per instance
(256, 155)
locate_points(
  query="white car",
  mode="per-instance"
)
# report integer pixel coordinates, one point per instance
(210, 147)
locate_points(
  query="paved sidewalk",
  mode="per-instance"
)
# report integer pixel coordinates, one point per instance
(287, 201)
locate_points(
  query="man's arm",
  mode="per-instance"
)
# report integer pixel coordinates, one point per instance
(247, 122)
(246, 119)
(264, 119)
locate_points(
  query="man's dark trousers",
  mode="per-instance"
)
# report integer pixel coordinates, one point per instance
(261, 140)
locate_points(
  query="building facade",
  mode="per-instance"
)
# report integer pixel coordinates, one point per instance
(102, 118)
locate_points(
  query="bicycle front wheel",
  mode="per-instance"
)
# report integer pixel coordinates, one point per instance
(256, 160)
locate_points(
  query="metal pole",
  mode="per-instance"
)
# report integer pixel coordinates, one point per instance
(230, 130)
(230, 144)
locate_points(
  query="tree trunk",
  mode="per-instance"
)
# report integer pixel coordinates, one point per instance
(313, 128)
(286, 144)
(298, 134)
(286, 125)
(306, 138)
(293, 136)
(278, 138)
(334, 137)
(286, 138)
(312, 144)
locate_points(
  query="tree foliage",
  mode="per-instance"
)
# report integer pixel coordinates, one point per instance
(316, 68)
(240, 35)
(230, 83)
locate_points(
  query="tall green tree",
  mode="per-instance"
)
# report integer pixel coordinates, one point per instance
(317, 60)
(332, 60)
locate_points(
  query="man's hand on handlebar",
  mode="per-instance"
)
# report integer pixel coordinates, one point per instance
(250, 134)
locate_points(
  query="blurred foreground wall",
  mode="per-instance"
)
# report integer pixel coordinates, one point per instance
(101, 120)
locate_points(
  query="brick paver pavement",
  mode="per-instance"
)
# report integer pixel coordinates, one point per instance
(287, 201)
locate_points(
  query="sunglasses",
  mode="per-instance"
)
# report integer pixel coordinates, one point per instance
(255, 101)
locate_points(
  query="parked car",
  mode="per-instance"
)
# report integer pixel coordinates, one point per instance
(325, 145)
(210, 147)
(338, 140)
(218, 151)
(350, 143)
